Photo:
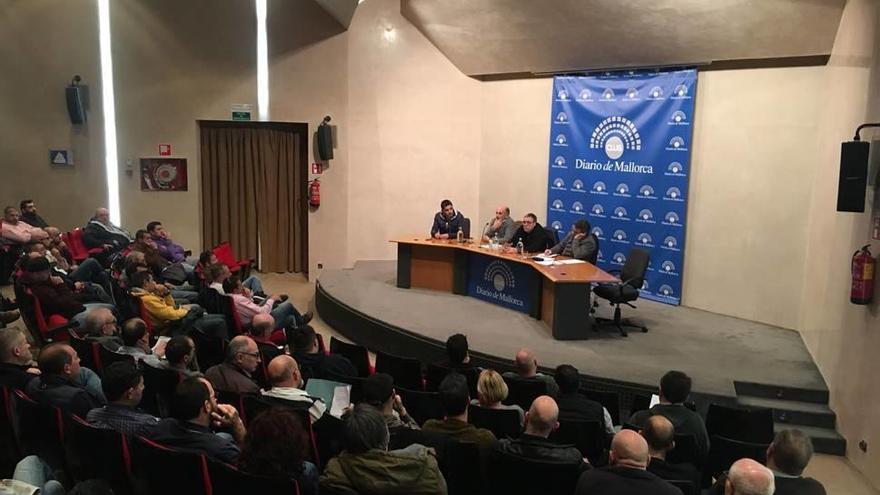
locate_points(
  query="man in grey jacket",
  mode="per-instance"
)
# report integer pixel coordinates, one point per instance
(577, 244)
(502, 226)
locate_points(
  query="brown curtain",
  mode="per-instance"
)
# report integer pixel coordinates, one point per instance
(253, 192)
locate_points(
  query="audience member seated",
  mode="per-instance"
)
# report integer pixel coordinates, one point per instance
(501, 226)
(100, 326)
(17, 232)
(144, 243)
(660, 436)
(234, 374)
(457, 355)
(366, 465)
(166, 316)
(283, 312)
(275, 445)
(675, 387)
(169, 250)
(491, 390)
(577, 244)
(261, 331)
(378, 391)
(527, 368)
(217, 273)
(747, 477)
(123, 385)
(541, 420)
(136, 342)
(574, 406)
(194, 410)
(89, 271)
(59, 367)
(787, 457)
(54, 295)
(455, 399)
(288, 387)
(29, 214)
(312, 362)
(180, 356)
(58, 249)
(625, 473)
(101, 233)
(16, 361)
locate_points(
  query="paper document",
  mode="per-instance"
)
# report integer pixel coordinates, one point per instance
(335, 394)
(570, 262)
(655, 399)
(544, 262)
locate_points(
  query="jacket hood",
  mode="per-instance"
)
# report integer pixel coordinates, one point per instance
(377, 471)
(139, 292)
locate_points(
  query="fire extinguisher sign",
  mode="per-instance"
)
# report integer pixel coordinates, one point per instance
(317, 168)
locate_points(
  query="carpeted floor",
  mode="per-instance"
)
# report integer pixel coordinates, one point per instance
(714, 349)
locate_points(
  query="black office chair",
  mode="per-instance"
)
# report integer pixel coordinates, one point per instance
(523, 391)
(632, 276)
(594, 258)
(553, 235)
(753, 425)
(465, 227)
(422, 406)
(609, 400)
(503, 423)
(723, 452)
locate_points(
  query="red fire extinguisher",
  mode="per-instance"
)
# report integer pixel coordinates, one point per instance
(315, 193)
(862, 276)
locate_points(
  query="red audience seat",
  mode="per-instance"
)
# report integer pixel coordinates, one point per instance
(226, 255)
(78, 249)
(94, 452)
(45, 324)
(181, 473)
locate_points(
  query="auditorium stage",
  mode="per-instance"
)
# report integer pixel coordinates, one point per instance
(364, 305)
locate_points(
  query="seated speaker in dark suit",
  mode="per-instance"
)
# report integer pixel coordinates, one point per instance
(660, 435)
(626, 473)
(787, 457)
(532, 235)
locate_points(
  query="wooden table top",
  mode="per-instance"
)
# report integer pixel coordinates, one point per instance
(557, 273)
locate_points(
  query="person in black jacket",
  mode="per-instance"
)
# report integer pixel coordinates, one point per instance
(532, 234)
(787, 457)
(59, 365)
(16, 360)
(447, 221)
(541, 420)
(625, 473)
(574, 406)
(660, 435)
(29, 214)
(101, 233)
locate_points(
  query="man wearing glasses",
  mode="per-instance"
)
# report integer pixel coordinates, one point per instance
(532, 235)
(235, 374)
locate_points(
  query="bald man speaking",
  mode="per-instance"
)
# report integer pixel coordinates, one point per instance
(626, 473)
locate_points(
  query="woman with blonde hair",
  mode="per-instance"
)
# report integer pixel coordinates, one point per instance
(491, 391)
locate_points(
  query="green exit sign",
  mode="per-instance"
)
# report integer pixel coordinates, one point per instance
(241, 111)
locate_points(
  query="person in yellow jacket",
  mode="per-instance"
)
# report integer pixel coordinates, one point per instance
(166, 316)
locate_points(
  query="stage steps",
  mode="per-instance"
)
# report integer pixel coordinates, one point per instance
(804, 409)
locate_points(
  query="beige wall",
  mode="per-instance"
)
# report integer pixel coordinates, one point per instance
(842, 337)
(175, 63)
(39, 54)
(414, 132)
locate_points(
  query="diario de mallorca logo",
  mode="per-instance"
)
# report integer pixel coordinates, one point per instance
(671, 218)
(676, 144)
(667, 267)
(598, 233)
(670, 243)
(680, 92)
(678, 118)
(618, 258)
(666, 290)
(597, 211)
(656, 93)
(673, 194)
(560, 140)
(557, 205)
(676, 169)
(559, 162)
(557, 225)
(599, 188)
(615, 135)
(632, 94)
(622, 190)
(645, 216)
(585, 95)
(608, 95)
(562, 95)
(647, 192)
(561, 118)
(645, 239)
(620, 213)
(558, 183)
(501, 277)
(577, 208)
(619, 236)
(578, 186)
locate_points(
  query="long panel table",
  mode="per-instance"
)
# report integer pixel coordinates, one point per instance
(558, 294)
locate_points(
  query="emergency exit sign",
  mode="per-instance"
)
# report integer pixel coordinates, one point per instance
(241, 111)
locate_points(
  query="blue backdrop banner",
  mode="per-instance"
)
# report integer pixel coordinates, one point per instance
(498, 281)
(620, 158)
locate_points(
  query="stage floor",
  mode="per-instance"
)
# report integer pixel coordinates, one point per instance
(715, 350)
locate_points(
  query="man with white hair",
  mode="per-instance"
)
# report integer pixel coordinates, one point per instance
(101, 233)
(749, 477)
(626, 472)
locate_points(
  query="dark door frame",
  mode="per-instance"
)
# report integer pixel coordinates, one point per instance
(302, 130)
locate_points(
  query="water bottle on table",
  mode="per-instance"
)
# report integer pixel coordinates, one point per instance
(520, 248)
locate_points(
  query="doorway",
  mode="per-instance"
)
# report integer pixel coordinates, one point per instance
(254, 177)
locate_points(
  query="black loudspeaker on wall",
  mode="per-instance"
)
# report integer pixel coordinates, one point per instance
(325, 142)
(853, 181)
(75, 104)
